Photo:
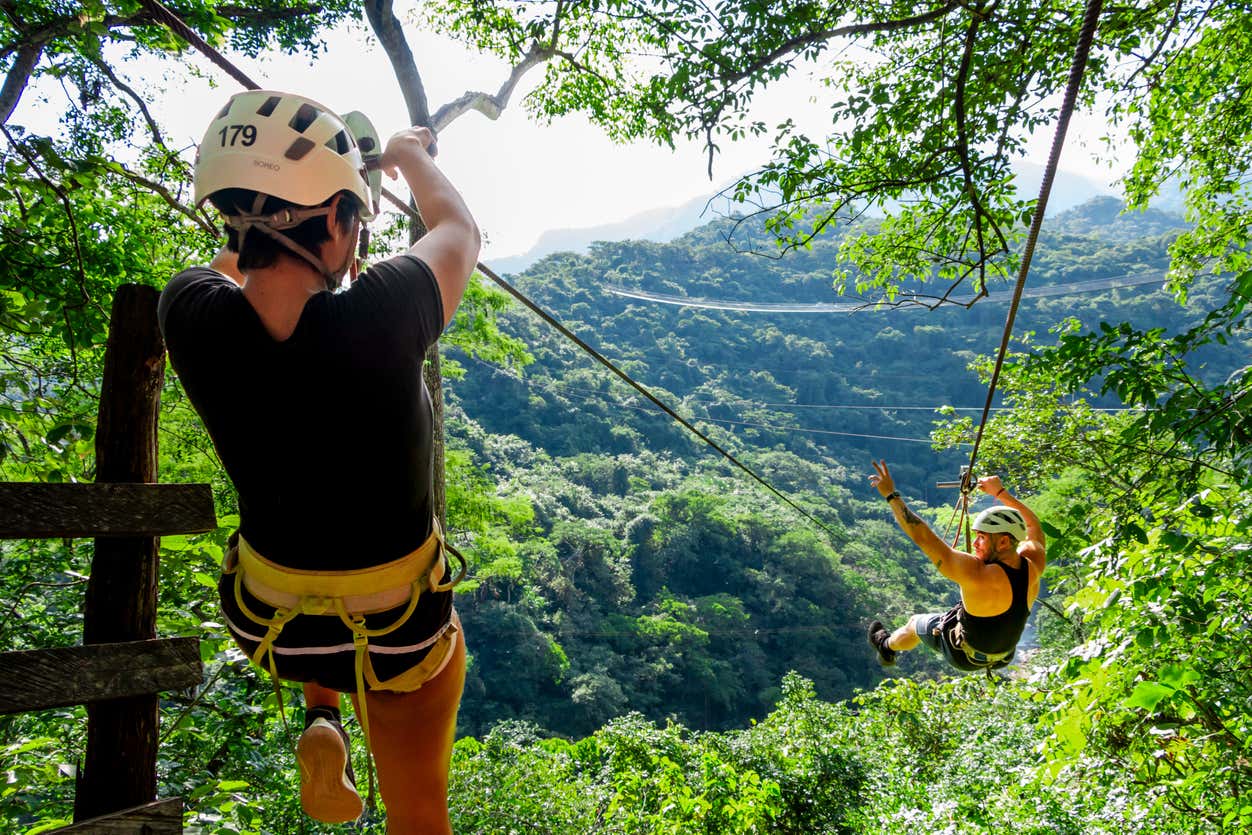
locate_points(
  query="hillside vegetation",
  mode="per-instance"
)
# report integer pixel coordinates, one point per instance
(659, 645)
(679, 591)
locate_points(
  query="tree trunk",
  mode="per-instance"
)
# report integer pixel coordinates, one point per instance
(121, 603)
(391, 35)
(432, 373)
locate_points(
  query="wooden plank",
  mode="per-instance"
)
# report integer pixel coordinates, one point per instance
(45, 678)
(160, 817)
(57, 511)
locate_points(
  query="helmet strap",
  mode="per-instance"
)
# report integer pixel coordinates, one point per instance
(282, 219)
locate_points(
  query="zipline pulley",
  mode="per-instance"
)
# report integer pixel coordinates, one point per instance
(960, 515)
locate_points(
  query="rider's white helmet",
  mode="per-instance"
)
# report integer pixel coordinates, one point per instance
(1001, 519)
(290, 147)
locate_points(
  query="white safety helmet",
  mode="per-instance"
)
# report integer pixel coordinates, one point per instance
(1001, 519)
(290, 147)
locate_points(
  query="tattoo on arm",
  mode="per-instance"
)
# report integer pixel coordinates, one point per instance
(908, 521)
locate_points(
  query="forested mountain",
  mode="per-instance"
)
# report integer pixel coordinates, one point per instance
(651, 576)
(664, 225)
(812, 384)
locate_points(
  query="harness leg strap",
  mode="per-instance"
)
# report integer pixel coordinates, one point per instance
(274, 627)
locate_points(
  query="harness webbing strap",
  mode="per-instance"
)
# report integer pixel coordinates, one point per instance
(358, 585)
(271, 224)
(349, 595)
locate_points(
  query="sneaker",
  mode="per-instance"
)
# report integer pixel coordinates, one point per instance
(327, 784)
(878, 636)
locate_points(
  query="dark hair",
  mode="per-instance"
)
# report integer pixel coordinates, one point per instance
(260, 250)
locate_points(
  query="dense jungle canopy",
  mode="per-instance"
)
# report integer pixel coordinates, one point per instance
(659, 645)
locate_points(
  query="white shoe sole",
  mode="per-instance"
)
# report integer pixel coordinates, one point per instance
(325, 793)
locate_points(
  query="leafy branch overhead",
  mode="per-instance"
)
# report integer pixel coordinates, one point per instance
(929, 104)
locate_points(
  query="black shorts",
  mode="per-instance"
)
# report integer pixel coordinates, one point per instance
(930, 630)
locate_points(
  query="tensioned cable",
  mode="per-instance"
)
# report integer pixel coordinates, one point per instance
(573, 337)
(175, 23)
(1085, 37)
(588, 394)
(861, 408)
(551, 384)
(164, 15)
(870, 306)
(816, 431)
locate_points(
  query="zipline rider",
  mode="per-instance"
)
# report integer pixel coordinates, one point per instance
(314, 398)
(999, 582)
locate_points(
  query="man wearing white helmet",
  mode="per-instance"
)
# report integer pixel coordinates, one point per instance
(999, 581)
(314, 398)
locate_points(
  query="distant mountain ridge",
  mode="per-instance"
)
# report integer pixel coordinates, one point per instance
(661, 225)
(665, 224)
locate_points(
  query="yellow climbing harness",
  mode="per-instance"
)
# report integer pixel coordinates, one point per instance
(951, 626)
(955, 630)
(351, 595)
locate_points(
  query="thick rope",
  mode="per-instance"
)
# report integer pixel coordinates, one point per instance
(1085, 38)
(175, 23)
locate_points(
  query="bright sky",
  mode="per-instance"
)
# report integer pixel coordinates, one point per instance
(519, 178)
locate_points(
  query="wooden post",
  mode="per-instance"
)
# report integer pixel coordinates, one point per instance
(121, 602)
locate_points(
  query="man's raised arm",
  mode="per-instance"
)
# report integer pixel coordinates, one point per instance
(953, 564)
(1034, 530)
(450, 246)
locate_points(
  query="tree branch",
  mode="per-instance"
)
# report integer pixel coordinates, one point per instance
(962, 140)
(60, 26)
(486, 104)
(69, 214)
(251, 14)
(799, 43)
(165, 194)
(16, 79)
(125, 88)
(390, 34)
(1170, 27)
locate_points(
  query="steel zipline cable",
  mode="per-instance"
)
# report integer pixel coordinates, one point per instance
(1077, 69)
(1086, 36)
(910, 303)
(163, 15)
(643, 390)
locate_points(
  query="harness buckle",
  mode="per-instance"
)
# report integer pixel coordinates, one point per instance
(315, 605)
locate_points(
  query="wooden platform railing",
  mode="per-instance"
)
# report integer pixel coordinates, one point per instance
(121, 665)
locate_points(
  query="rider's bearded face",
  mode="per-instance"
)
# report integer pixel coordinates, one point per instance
(988, 545)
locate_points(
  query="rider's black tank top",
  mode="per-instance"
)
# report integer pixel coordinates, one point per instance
(1000, 633)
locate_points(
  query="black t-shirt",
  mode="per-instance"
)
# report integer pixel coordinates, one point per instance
(326, 435)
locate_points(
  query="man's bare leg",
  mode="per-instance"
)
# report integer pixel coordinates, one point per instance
(315, 695)
(905, 638)
(412, 736)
